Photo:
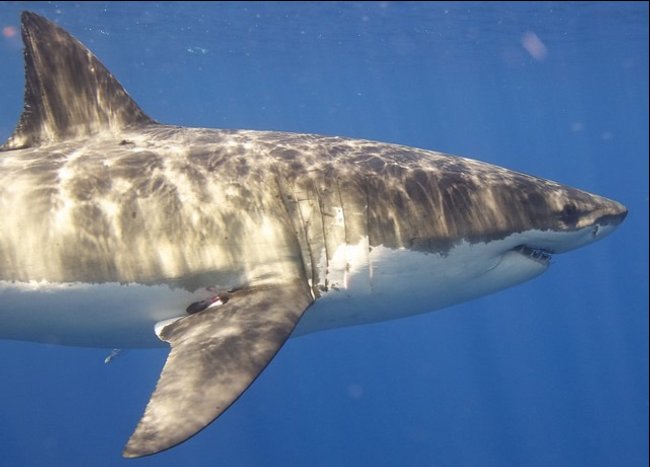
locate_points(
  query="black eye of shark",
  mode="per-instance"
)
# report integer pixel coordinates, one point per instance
(570, 214)
(537, 254)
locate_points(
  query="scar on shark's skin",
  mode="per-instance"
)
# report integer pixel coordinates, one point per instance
(117, 228)
(201, 305)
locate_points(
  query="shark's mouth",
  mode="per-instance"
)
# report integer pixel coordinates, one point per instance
(536, 254)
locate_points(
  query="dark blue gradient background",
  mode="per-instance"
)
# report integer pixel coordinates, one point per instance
(552, 372)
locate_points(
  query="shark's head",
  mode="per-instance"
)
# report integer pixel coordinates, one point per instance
(515, 224)
(434, 202)
(487, 226)
(491, 228)
(550, 218)
(555, 218)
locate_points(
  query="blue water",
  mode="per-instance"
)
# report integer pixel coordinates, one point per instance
(552, 372)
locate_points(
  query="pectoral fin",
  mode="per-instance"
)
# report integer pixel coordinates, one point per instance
(215, 355)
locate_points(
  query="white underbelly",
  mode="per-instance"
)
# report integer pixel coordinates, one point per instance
(365, 285)
(393, 284)
(108, 315)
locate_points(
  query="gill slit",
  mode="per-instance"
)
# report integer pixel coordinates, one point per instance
(346, 235)
(285, 204)
(321, 211)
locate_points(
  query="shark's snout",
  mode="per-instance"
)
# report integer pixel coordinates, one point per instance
(608, 219)
(615, 217)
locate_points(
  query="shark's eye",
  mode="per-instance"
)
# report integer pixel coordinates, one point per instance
(569, 214)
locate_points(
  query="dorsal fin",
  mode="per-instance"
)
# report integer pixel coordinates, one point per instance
(68, 92)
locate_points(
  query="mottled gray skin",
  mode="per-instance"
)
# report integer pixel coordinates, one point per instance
(398, 197)
(96, 196)
(95, 188)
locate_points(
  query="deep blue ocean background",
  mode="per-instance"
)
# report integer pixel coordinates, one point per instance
(552, 372)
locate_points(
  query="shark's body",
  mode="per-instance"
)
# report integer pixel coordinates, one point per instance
(224, 241)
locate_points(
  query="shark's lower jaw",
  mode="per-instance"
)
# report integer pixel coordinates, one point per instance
(540, 255)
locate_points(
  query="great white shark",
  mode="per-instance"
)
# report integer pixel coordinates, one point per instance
(118, 231)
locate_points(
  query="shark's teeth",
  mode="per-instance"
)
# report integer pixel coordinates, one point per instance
(536, 254)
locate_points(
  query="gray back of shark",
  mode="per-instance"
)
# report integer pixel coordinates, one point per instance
(126, 232)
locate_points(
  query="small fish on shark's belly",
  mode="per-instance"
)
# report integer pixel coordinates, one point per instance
(126, 232)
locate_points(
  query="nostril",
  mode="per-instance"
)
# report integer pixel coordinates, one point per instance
(594, 232)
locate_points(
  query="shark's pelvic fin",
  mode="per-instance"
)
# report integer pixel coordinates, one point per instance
(68, 92)
(216, 354)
